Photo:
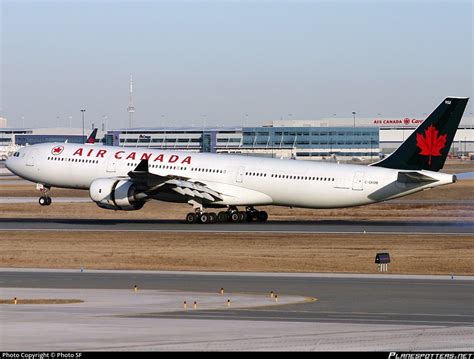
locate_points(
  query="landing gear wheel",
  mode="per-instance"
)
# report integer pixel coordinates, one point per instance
(223, 217)
(191, 218)
(49, 200)
(262, 216)
(212, 217)
(242, 216)
(204, 218)
(234, 217)
(250, 216)
(43, 201)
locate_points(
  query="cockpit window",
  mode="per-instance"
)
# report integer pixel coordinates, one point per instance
(16, 154)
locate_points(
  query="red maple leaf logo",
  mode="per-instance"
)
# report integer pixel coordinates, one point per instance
(430, 143)
(57, 150)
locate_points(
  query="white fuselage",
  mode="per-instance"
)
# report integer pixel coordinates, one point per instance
(243, 180)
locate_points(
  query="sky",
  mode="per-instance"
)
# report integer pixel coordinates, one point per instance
(226, 63)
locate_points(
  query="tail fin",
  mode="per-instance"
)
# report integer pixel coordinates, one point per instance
(428, 146)
(91, 138)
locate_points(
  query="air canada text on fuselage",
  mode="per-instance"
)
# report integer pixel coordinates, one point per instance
(134, 156)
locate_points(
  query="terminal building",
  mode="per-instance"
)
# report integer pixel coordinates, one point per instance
(393, 131)
(288, 142)
(343, 139)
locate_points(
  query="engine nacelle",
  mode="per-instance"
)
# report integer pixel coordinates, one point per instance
(117, 194)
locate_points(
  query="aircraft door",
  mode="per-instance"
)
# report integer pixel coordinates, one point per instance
(240, 175)
(30, 161)
(358, 182)
(111, 164)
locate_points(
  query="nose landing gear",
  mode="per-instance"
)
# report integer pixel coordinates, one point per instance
(45, 199)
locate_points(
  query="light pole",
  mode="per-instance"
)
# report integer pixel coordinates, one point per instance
(354, 114)
(104, 122)
(83, 138)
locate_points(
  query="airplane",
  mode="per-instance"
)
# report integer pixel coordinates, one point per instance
(120, 178)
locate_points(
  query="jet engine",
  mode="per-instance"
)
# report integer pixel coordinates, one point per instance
(117, 194)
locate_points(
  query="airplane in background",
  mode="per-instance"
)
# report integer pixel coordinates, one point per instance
(91, 139)
(120, 178)
(7, 150)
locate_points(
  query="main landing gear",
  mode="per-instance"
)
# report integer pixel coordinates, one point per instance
(231, 215)
(45, 199)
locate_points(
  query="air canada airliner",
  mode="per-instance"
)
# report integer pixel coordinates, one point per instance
(120, 178)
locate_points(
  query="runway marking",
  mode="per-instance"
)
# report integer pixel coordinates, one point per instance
(203, 315)
(223, 231)
(360, 313)
(238, 311)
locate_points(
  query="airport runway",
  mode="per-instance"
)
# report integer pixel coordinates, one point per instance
(86, 199)
(323, 226)
(35, 200)
(352, 299)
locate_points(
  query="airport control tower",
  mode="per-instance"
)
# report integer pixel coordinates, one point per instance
(130, 108)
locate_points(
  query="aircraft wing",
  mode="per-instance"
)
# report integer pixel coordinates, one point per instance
(151, 184)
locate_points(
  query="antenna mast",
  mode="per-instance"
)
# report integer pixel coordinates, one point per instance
(130, 108)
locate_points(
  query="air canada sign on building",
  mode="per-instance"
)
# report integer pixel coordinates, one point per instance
(404, 122)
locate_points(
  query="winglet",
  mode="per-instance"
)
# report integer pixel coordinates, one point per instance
(141, 176)
(142, 166)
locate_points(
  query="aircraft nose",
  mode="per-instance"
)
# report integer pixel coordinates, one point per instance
(10, 163)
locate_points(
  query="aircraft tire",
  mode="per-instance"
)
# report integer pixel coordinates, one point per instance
(191, 218)
(235, 217)
(43, 201)
(204, 218)
(223, 217)
(262, 216)
(212, 217)
(250, 216)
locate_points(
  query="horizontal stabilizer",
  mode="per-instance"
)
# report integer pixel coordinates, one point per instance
(414, 177)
